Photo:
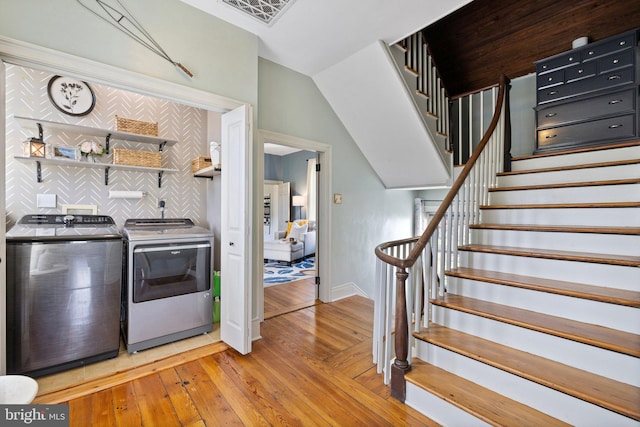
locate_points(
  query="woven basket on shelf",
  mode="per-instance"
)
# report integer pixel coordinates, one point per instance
(148, 159)
(200, 163)
(136, 126)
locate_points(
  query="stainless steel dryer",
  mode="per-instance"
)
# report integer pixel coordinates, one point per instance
(63, 292)
(167, 289)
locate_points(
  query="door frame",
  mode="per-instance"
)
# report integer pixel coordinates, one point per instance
(324, 244)
(33, 56)
(3, 224)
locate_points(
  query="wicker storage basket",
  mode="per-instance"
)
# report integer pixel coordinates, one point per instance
(148, 159)
(200, 163)
(136, 126)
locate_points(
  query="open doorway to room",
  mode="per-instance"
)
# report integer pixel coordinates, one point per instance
(289, 229)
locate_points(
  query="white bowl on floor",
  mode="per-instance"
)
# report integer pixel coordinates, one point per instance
(17, 389)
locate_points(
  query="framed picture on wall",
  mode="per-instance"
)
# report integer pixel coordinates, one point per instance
(71, 96)
(61, 152)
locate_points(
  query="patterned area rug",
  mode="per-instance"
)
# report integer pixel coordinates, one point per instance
(276, 272)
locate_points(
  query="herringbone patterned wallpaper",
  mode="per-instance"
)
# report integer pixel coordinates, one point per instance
(185, 196)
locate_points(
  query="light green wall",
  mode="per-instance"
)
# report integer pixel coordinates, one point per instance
(290, 103)
(222, 57)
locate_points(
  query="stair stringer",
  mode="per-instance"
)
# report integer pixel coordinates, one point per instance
(372, 100)
(411, 81)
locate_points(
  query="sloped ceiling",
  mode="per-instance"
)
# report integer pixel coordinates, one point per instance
(313, 35)
(477, 43)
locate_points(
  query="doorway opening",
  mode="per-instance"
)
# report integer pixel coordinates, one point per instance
(296, 220)
(25, 55)
(289, 229)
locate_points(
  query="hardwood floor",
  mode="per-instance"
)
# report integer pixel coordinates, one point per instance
(311, 367)
(289, 297)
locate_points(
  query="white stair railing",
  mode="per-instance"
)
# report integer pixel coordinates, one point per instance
(419, 62)
(471, 114)
(419, 263)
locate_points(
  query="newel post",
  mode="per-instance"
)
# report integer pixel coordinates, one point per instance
(401, 365)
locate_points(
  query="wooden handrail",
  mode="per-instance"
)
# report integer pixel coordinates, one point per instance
(442, 209)
(401, 363)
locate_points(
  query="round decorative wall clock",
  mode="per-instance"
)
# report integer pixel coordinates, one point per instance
(71, 96)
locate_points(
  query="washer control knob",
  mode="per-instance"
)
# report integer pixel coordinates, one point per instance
(68, 220)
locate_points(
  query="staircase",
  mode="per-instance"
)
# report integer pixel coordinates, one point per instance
(540, 320)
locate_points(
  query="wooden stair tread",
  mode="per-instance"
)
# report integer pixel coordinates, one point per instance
(598, 336)
(559, 228)
(411, 71)
(577, 150)
(598, 390)
(578, 290)
(614, 205)
(573, 167)
(422, 93)
(568, 185)
(612, 259)
(489, 406)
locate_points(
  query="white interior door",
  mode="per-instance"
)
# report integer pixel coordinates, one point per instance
(235, 242)
(3, 251)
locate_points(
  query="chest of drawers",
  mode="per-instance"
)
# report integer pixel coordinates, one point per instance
(589, 95)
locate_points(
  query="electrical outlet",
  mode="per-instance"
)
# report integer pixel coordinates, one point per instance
(337, 199)
(46, 200)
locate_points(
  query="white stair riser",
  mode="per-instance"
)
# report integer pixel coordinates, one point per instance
(544, 399)
(629, 217)
(572, 175)
(599, 361)
(583, 242)
(590, 194)
(613, 276)
(613, 316)
(438, 409)
(577, 158)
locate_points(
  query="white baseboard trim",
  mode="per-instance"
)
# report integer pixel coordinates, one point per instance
(346, 290)
(255, 330)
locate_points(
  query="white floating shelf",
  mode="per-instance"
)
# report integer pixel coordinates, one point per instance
(208, 172)
(105, 166)
(32, 124)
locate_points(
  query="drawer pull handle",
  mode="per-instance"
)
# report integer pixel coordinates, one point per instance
(553, 92)
(551, 114)
(615, 126)
(622, 43)
(615, 61)
(615, 77)
(550, 136)
(615, 101)
(591, 52)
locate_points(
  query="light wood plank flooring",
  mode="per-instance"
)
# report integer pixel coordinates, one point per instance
(311, 367)
(289, 297)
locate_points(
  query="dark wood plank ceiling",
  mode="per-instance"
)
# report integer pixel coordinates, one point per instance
(474, 45)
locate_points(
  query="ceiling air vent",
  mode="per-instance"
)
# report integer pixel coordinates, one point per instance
(263, 10)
